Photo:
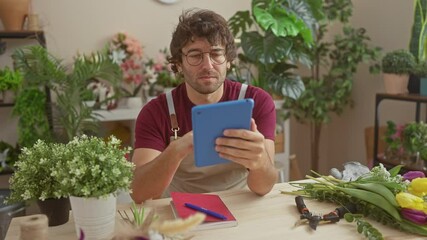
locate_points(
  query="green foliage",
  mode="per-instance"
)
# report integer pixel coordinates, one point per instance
(10, 79)
(42, 70)
(418, 42)
(93, 167)
(364, 193)
(421, 69)
(399, 61)
(364, 227)
(34, 177)
(410, 138)
(339, 59)
(84, 167)
(415, 138)
(33, 124)
(281, 38)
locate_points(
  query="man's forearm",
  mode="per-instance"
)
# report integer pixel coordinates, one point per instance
(151, 179)
(262, 180)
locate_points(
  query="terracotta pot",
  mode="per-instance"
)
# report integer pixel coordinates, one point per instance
(396, 84)
(13, 14)
(56, 210)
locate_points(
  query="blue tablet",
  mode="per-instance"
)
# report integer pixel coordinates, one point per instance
(210, 120)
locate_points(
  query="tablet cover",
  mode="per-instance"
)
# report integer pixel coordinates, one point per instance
(210, 120)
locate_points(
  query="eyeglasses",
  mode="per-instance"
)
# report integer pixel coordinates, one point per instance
(195, 57)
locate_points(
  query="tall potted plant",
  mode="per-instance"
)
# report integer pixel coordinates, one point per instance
(274, 36)
(418, 41)
(397, 65)
(328, 88)
(70, 114)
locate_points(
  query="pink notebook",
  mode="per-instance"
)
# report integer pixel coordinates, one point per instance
(208, 201)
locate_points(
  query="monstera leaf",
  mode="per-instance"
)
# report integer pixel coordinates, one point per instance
(265, 49)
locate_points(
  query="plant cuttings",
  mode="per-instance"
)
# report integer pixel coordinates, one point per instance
(374, 195)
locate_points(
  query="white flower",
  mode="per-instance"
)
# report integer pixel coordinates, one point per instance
(117, 56)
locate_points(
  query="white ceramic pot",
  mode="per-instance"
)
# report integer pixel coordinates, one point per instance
(134, 102)
(94, 216)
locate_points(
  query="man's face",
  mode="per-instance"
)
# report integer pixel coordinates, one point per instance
(209, 75)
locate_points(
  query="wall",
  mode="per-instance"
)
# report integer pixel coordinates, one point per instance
(84, 26)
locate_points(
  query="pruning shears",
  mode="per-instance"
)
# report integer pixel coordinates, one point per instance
(314, 220)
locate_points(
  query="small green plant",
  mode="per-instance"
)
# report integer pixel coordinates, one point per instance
(94, 167)
(399, 61)
(415, 138)
(421, 69)
(35, 176)
(410, 138)
(10, 79)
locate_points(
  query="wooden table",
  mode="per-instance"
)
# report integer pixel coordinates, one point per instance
(268, 217)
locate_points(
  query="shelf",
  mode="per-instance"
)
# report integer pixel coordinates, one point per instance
(415, 98)
(117, 114)
(37, 35)
(7, 104)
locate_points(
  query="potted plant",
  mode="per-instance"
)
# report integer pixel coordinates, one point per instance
(36, 179)
(421, 72)
(335, 59)
(159, 75)
(126, 51)
(93, 172)
(10, 81)
(418, 41)
(274, 36)
(407, 142)
(42, 71)
(396, 66)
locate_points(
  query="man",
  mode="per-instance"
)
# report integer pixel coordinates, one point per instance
(202, 49)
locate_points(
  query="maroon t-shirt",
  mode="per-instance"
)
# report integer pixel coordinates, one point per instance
(153, 127)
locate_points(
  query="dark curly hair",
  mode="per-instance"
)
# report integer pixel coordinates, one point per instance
(204, 24)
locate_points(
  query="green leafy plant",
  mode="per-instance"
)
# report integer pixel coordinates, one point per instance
(274, 36)
(420, 69)
(399, 61)
(418, 42)
(10, 79)
(328, 89)
(94, 167)
(415, 138)
(410, 138)
(44, 71)
(36, 171)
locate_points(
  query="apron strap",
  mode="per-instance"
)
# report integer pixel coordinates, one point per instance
(243, 91)
(172, 114)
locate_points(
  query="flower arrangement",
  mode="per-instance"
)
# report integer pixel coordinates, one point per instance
(126, 51)
(35, 175)
(94, 167)
(381, 194)
(159, 74)
(410, 138)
